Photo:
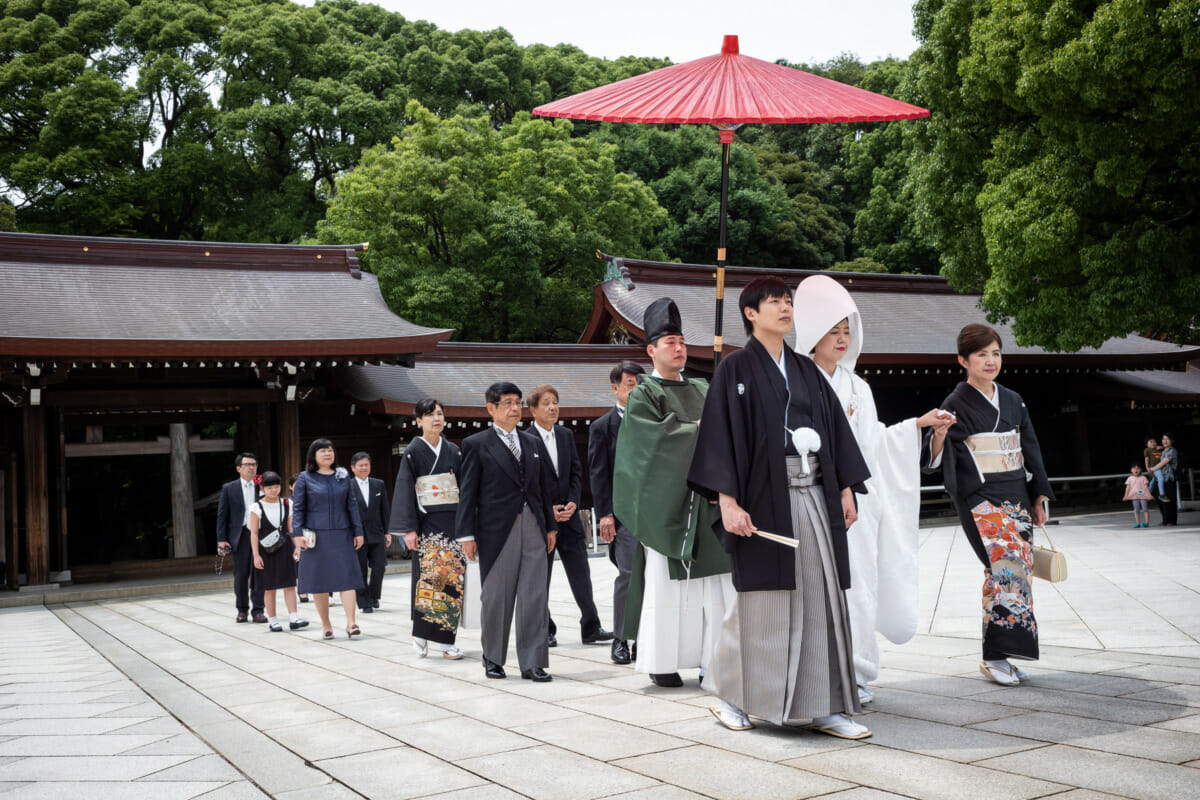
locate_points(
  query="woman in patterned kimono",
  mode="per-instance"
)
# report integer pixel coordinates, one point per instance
(992, 465)
(424, 503)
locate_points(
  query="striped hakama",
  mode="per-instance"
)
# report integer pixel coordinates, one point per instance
(785, 656)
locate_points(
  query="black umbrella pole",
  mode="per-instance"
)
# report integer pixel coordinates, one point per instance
(718, 324)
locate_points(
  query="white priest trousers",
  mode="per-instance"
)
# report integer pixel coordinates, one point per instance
(681, 620)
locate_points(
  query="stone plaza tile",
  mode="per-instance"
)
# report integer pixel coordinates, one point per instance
(923, 683)
(661, 792)
(488, 791)
(599, 738)
(948, 710)
(509, 710)
(283, 713)
(72, 726)
(623, 706)
(209, 767)
(247, 690)
(1178, 694)
(1114, 737)
(241, 790)
(924, 777)
(330, 791)
(467, 738)
(1116, 709)
(731, 776)
(107, 790)
(60, 710)
(394, 711)
(549, 773)
(96, 768)
(767, 742)
(1084, 682)
(183, 744)
(943, 741)
(399, 773)
(1104, 772)
(865, 793)
(1188, 724)
(1167, 673)
(79, 745)
(556, 691)
(330, 739)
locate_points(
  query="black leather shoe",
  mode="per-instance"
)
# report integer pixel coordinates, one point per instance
(243, 617)
(669, 680)
(600, 636)
(552, 641)
(620, 652)
(537, 675)
(374, 604)
(259, 617)
(298, 624)
(368, 610)
(633, 652)
(493, 670)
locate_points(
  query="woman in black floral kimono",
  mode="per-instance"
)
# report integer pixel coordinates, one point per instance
(424, 504)
(992, 465)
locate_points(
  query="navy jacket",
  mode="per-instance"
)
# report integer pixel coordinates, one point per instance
(325, 503)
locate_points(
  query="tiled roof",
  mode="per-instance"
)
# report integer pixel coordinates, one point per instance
(1171, 384)
(458, 373)
(77, 297)
(907, 319)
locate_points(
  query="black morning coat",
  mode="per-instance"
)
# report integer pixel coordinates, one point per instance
(374, 516)
(602, 455)
(740, 451)
(568, 482)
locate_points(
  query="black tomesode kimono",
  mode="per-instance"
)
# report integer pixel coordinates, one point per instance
(992, 466)
(438, 566)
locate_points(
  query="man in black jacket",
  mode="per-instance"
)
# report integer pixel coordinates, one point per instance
(504, 520)
(558, 447)
(374, 512)
(602, 450)
(233, 537)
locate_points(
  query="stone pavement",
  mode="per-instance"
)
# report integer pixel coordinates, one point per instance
(166, 697)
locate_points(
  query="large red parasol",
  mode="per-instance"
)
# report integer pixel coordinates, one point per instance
(728, 90)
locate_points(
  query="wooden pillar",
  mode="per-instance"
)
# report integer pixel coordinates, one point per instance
(37, 511)
(287, 431)
(183, 514)
(11, 543)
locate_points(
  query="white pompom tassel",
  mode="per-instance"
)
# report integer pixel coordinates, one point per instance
(806, 440)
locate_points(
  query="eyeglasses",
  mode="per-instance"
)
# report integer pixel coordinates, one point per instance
(509, 404)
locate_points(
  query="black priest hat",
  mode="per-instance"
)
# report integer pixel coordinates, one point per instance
(662, 319)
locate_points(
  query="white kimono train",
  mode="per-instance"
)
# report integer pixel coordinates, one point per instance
(883, 543)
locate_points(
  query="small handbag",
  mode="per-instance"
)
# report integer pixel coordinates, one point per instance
(310, 538)
(273, 540)
(1048, 563)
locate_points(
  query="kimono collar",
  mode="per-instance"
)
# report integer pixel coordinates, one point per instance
(437, 451)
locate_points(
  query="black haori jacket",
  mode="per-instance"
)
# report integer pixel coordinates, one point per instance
(740, 451)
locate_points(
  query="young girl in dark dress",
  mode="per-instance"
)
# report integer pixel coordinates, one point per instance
(992, 466)
(276, 569)
(423, 507)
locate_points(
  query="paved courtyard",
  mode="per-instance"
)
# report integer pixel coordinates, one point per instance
(165, 697)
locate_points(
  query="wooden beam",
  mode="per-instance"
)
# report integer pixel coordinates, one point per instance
(287, 424)
(159, 447)
(37, 512)
(151, 399)
(183, 516)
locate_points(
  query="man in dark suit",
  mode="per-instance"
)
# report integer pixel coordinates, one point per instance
(234, 537)
(375, 514)
(558, 447)
(602, 450)
(504, 520)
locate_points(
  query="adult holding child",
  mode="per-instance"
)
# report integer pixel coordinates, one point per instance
(1165, 471)
(327, 528)
(270, 526)
(424, 504)
(992, 466)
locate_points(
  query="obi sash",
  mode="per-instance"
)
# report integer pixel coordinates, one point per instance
(995, 453)
(437, 490)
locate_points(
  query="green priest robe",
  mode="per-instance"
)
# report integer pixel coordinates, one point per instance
(650, 492)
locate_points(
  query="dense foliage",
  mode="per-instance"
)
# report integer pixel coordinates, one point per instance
(1060, 173)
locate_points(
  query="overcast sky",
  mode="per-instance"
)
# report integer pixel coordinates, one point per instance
(798, 30)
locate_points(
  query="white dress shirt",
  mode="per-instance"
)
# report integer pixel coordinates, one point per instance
(249, 495)
(504, 437)
(551, 444)
(364, 486)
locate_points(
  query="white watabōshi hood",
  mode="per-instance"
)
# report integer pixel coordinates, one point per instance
(820, 303)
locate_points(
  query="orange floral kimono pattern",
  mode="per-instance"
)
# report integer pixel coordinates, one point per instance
(1009, 626)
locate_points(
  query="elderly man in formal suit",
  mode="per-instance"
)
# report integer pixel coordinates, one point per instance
(602, 450)
(506, 521)
(374, 511)
(233, 537)
(558, 446)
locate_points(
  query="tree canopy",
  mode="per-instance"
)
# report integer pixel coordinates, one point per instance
(492, 232)
(1060, 172)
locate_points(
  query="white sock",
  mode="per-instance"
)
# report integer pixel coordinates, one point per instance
(273, 620)
(730, 708)
(293, 616)
(446, 647)
(1001, 663)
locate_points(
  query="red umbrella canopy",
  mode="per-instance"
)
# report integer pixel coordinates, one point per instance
(731, 89)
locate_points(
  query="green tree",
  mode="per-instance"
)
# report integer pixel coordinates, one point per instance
(1060, 170)
(492, 232)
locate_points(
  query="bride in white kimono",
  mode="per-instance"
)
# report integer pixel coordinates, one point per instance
(883, 542)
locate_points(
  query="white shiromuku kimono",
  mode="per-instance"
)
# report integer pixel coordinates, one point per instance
(883, 543)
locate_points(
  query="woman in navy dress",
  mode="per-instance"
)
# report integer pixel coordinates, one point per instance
(322, 503)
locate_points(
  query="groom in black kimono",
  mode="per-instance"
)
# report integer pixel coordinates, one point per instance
(777, 453)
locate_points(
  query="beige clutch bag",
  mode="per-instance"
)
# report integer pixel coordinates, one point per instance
(437, 490)
(1049, 564)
